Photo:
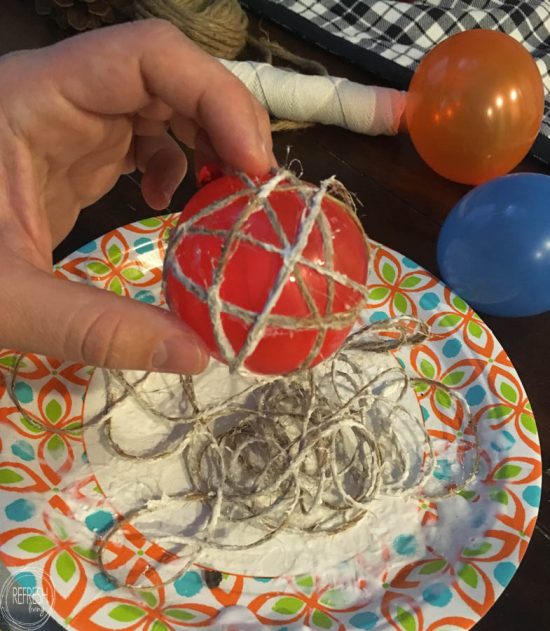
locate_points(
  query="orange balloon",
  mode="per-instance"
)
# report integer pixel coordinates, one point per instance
(475, 106)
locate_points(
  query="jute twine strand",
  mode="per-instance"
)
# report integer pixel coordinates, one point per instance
(308, 455)
(257, 200)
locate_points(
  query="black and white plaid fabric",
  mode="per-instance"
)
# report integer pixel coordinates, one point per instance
(390, 38)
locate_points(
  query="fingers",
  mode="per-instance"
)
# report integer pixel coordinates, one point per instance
(163, 165)
(130, 67)
(63, 319)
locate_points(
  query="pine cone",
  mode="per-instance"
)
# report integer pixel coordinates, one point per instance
(83, 15)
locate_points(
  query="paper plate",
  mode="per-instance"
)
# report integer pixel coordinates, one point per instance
(53, 511)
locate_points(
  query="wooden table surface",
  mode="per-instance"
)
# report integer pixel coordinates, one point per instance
(404, 205)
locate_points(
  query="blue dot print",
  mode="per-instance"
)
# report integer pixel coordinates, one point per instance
(532, 495)
(143, 245)
(145, 296)
(405, 545)
(504, 572)
(429, 301)
(103, 582)
(99, 521)
(475, 395)
(378, 316)
(22, 449)
(408, 263)
(189, 584)
(452, 348)
(364, 620)
(89, 247)
(27, 580)
(23, 392)
(438, 595)
(20, 510)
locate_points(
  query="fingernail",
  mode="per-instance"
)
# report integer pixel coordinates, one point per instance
(181, 355)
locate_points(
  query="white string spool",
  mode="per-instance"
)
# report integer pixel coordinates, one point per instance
(328, 100)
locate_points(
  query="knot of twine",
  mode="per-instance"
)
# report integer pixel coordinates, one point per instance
(217, 26)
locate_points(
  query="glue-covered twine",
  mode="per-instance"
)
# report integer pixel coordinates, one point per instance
(308, 453)
(257, 200)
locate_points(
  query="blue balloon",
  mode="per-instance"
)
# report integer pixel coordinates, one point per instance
(494, 247)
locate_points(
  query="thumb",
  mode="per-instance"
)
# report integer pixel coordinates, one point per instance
(67, 320)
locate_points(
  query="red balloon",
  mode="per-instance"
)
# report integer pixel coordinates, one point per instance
(292, 335)
(475, 106)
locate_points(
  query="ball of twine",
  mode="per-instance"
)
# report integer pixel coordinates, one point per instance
(218, 26)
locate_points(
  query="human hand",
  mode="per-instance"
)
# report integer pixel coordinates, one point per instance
(73, 118)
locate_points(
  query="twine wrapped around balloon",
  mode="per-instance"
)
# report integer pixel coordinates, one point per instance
(257, 196)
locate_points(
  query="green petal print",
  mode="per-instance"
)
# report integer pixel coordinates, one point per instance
(116, 286)
(36, 543)
(99, 269)
(443, 398)
(159, 626)
(529, 423)
(454, 378)
(421, 386)
(53, 410)
(433, 567)
(87, 553)
(9, 360)
(478, 551)
(459, 304)
(305, 581)
(508, 392)
(427, 369)
(132, 273)
(126, 613)
(56, 447)
(179, 614)
(334, 598)
(321, 619)
(500, 496)
(508, 471)
(30, 425)
(9, 476)
(448, 321)
(65, 566)
(388, 273)
(288, 605)
(475, 330)
(115, 254)
(405, 619)
(400, 303)
(378, 293)
(149, 598)
(410, 282)
(152, 222)
(499, 411)
(468, 575)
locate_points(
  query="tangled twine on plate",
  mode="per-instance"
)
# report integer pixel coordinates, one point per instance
(308, 453)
